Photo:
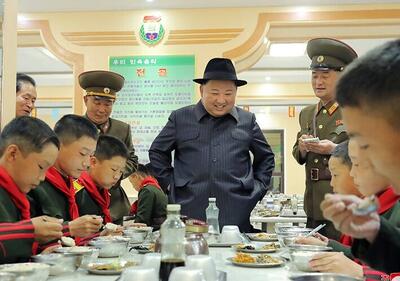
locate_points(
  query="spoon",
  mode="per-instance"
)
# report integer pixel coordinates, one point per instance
(315, 230)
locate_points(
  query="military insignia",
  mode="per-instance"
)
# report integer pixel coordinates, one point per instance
(106, 90)
(320, 59)
(77, 186)
(339, 122)
(152, 31)
(333, 108)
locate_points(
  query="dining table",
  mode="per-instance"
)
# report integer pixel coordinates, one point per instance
(220, 256)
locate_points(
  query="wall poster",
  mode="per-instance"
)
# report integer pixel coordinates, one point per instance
(154, 87)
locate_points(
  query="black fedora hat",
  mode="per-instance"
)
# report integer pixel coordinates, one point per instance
(220, 69)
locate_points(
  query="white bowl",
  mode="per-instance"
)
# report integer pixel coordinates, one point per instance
(59, 263)
(301, 259)
(110, 248)
(27, 271)
(230, 234)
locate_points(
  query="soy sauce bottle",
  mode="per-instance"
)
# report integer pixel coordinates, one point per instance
(172, 242)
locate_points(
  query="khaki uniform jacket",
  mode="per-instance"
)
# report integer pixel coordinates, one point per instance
(16, 240)
(329, 125)
(119, 204)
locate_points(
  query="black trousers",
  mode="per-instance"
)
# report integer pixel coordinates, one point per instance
(329, 230)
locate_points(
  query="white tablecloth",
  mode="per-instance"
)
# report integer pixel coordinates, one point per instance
(234, 273)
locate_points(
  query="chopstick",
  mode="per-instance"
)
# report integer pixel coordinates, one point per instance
(315, 230)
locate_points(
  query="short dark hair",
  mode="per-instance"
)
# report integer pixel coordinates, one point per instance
(72, 127)
(341, 151)
(23, 78)
(144, 170)
(372, 82)
(108, 147)
(29, 134)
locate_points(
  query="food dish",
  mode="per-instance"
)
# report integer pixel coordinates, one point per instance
(267, 213)
(67, 241)
(248, 248)
(112, 268)
(74, 250)
(262, 236)
(246, 260)
(143, 249)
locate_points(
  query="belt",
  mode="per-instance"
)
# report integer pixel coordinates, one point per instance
(320, 174)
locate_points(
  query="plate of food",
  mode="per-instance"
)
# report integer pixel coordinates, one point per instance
(263, 260)
(109, 268)
(262, 236)
(249, 248)
(143, 249)
(267, 213)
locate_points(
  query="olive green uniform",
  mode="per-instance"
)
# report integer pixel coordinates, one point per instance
(152, 206)
(324, 122)
(16, 240)
(86, 204)
(47, 200)
(329, 125)
(119, 202)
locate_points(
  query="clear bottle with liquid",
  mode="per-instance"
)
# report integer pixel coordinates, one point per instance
(172, 242)
(212, 213)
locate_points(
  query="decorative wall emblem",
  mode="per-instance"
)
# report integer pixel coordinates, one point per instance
(152, 31)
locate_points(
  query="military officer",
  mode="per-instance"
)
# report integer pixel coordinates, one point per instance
(323, 121)
(101, 88)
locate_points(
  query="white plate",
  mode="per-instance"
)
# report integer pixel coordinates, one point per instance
(222, 245)
(270, 238)
(105, 272)
(256, 265)
(255, 251)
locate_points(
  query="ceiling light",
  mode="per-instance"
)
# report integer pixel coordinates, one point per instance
(21, 18)
(149, 1)
(287, 49)
(268, 78)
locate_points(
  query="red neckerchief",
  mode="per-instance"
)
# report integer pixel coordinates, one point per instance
(57, 180)
(100, 195)
(387, 199)
(149, 180)
(18, 198)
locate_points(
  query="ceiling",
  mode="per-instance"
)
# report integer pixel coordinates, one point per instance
(48, 70)
(33, 6)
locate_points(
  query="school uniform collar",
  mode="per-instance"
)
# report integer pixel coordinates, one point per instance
(200, 112)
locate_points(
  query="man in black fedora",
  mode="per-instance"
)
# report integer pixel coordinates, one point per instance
(212, 141)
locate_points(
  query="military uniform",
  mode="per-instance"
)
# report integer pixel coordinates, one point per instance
(152, 206)
(324, 122)
(106, 84)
